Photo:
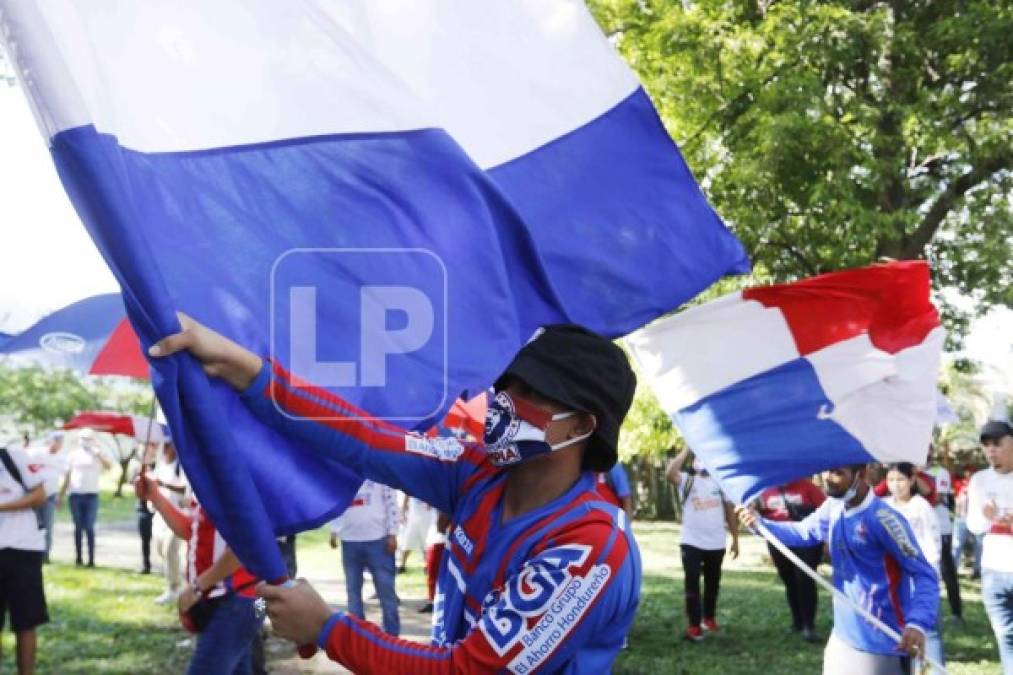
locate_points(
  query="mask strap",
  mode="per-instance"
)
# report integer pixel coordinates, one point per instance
(564, 444)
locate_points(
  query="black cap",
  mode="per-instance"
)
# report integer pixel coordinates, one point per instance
(995, 429)
(581, 369)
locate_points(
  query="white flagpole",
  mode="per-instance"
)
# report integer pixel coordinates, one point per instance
(818, 578)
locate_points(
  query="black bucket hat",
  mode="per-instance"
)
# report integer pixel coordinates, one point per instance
(581, 369)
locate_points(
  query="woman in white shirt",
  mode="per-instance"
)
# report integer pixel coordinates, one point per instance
(86, 463)
(904, 497)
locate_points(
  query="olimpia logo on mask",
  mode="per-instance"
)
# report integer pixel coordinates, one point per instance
(515, 430)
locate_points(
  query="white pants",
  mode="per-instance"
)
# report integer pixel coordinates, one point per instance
(840, 658)
(169, 548)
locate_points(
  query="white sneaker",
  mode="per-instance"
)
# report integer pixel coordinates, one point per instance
(166, 598)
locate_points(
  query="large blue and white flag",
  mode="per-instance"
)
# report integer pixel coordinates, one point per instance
(774, 383)
(389, 197)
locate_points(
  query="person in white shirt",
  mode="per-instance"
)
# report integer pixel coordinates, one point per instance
(86, 463)
(418, 517)
(368, 534)
(22, 544)
(173, 485)
(52, 466)
(945, 504)
(900, 479)
(990, 512)
(705, 514)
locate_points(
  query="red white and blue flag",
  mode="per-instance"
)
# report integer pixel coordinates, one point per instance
(774, 383)
(242, 159)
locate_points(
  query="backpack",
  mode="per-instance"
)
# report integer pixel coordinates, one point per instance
(12, 469)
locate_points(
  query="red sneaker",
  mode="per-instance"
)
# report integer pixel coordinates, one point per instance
(693, 634)
(711, 626)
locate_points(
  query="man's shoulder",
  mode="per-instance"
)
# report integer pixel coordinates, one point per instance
(979, 477)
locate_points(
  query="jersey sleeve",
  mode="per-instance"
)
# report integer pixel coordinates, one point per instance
(578, 589)
(620, 482)
(432, 469)
(898, 539)
(810, 531)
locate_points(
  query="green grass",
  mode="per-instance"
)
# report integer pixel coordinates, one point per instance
(754, 616)
(104, 621)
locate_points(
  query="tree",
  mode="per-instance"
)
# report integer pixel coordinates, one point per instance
(40, 398)
(830, 134)
(35, 399)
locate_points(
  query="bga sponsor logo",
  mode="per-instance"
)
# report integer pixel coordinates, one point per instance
(446, 449)
(544, 588)
(462, 540)
(891, 523)
(62, 343)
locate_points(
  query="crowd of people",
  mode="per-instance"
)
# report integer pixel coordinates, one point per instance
(526, 534)
(889, 560)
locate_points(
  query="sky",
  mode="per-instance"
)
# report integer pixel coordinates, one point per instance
(47, 259)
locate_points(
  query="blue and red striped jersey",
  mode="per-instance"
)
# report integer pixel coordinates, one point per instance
(553, 590)
(877, 563)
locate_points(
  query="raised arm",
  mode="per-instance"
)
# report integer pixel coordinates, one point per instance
(673, 474)
(146, 487)
(434, 470)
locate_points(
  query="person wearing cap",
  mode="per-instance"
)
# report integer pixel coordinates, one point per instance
(990, 512)
(86, 463)
(540, 572)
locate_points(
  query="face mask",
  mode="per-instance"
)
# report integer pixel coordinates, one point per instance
(515, 430)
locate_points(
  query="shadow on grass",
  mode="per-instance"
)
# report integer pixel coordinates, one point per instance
(754, 636)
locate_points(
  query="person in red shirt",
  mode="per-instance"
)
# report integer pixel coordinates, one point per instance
(218, 601)
(793, 502)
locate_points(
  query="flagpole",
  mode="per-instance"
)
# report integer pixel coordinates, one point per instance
(760, 528)
(147, 439)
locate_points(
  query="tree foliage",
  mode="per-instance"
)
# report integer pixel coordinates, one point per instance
(36, 398)
(830, 134)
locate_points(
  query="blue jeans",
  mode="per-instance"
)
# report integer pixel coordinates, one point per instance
(224, 646)
(372, 555)
(48, 509)
(997, 594)
(84, 510)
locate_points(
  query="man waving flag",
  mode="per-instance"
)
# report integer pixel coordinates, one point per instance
(774, 383)
(388, 197)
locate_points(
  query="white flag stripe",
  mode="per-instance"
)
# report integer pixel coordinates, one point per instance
(849, 365)
(501, 78)
(893, 418)
(703, 350)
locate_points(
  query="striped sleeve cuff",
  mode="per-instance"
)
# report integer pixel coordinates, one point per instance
(325, 632)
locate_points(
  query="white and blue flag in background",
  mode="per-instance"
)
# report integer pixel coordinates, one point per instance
(389, 196)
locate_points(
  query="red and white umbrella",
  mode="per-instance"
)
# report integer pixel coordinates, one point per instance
(134, 426)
